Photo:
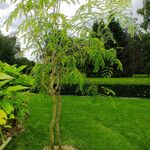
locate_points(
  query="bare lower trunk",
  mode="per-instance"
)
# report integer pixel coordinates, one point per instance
(54, 91)
(53, 121)
(59, 112)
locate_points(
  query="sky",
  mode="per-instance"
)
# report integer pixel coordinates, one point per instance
(136, 4)
(69, 10)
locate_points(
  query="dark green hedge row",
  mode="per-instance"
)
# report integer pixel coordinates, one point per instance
(131, 90)
(120, 90)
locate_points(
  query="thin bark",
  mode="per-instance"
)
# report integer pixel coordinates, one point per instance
(53, 122)
(54, 102)
(59, 112)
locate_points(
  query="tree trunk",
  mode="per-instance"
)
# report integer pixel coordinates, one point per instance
(59, 112)
(53, 121)
(52, 93)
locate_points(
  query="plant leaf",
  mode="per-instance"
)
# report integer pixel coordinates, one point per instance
(7, 107)
(11, 116)
(7, 126)
(4, 76)
(3, 117)
(2, 83)
(15, 88)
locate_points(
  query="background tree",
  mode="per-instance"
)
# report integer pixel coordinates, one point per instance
(8, 48)
(145, 11)
(9, 53)
(145, 46)
(145, 36)
(59, 57)
(24, 61)
(130, 50)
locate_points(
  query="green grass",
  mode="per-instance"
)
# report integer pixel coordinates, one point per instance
(119, 81)
(89, 123)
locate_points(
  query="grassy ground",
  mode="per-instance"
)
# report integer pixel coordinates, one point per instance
(89, 123)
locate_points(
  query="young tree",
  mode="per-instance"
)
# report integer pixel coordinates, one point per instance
(62, 44)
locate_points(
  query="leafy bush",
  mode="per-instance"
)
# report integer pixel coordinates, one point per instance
(12, 109)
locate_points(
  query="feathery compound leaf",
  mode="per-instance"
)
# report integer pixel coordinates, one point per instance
(13, 16)
(15, 88)
(2, 83)
(4, 76)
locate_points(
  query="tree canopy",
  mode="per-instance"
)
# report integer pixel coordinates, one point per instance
(145, 11)
(8, 49)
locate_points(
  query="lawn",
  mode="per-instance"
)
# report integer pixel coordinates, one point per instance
(89, 123)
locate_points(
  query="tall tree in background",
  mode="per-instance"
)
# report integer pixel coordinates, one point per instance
(60, 60)
(145, 44)
(8, 49)
(145, 11)
(9, 53)
(118, 38)
(129, 50)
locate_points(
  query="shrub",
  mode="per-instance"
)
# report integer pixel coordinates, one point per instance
(12, 109)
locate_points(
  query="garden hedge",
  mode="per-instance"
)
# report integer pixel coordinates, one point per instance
(123, 87)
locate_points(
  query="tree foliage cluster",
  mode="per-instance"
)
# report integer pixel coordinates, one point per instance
(8, 49)
(12, 109)
(133, 52)
(145, 11)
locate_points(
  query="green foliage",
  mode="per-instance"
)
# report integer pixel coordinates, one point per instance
(24, 61)
(12, 81)
(107, 72)
(10, 53)
(7, 107)
(133, 49)
(4, 76)
(145, 11)
(108, 91)
(69, 52)
(145, 45)
(123, 87)
(8, 49)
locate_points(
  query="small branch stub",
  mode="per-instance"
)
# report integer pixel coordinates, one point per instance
(5, 143)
